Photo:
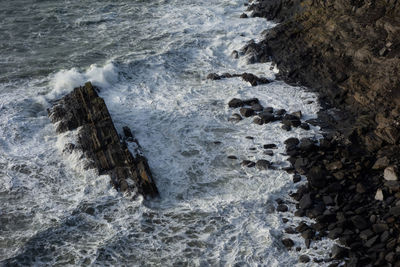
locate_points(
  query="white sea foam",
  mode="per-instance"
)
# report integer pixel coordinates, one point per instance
(63, 81)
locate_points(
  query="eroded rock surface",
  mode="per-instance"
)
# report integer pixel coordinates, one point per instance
(98, 139)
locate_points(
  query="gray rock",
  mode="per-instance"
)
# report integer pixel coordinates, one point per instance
(304, 259)
(381, 163)
(288, 243)
(282, 208)
(297, 114)
(390, 173)
(379, 195)
(266, 117)
(235, 118)
(338, 252)
(235, 103)
(305, 201)
(258, 120)
(246, 112)
(100, 142)
(263, 164)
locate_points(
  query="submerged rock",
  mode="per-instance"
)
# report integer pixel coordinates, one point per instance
(84, 110)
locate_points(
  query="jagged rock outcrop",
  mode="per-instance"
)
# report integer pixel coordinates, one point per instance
(98, 139)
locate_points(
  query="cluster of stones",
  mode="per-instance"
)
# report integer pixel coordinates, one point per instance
(248, 77)
(262, 115)
(97, 138)
(348, 51)
(353, 199)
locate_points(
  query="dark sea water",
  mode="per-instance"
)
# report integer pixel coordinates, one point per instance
(150, 59)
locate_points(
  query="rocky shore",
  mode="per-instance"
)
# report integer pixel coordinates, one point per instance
(83, 110)
(349, 52)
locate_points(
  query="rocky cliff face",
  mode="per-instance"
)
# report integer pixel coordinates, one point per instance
(84, 110)
(349, 52)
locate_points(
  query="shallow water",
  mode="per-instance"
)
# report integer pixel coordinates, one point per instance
(150, 59)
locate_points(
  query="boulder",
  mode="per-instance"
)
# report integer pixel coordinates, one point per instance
(246, 112)
(263, 164)
(235, 103)
(235, 118)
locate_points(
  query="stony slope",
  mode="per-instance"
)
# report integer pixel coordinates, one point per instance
(349, 52)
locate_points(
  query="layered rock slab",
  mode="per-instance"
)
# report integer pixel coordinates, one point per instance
(83, 110)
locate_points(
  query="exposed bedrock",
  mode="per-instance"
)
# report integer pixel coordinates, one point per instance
(349, 52)
(98, 139)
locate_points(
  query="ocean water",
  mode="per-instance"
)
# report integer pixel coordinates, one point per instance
(150, 59)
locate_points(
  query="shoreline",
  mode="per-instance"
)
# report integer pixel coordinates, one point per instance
(347, 53)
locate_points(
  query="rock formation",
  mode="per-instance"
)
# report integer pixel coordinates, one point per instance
(349, 52)
(84, 110)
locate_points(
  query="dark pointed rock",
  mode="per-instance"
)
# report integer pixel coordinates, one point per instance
(100, 142)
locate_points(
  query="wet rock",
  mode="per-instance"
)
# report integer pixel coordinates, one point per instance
(269, 152)
(280, 112)
(213, 76)
(305, 201)
(390, 173)
(90, 211)
(269, 109)
(253, 79)
(248, 163)
(306, 144)
(243, 16)
(266, 117)
(235, 103)
(339, 252)
(316, 177)
(305, 126)
(263, 164)
(270, 146)
(286, 127)
(235, 54)
(69, 148)
(258, 120)
(257, 107)
(304, 258)
(100, 142)
(235, 118)
(251, 101)
(282, 208)
(296, 178)
(288, 243)
(292, 141)
(232, 157)
(297, 114)
(290, 230)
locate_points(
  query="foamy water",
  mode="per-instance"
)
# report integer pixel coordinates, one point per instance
(150, 61)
